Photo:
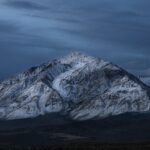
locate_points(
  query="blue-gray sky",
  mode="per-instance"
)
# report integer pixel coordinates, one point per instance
(34, 31)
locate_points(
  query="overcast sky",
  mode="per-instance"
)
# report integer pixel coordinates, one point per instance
(35, 31)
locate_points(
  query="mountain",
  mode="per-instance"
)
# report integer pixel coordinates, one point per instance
(78, 86)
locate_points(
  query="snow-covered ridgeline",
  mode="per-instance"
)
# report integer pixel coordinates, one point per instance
(82, 86)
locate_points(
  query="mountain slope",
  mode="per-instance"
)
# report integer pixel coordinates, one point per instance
(79, 86)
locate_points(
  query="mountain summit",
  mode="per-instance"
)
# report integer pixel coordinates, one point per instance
(79, 86)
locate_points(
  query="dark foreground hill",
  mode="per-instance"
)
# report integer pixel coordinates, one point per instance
(55, 131)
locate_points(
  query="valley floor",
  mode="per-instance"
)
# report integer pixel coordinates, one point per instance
(61, 133)
(84, 146)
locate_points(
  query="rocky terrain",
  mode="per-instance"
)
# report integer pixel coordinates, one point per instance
(78, 86)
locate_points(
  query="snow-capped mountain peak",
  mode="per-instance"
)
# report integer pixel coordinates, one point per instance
(77, 85)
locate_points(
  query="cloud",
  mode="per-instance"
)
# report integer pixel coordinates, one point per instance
(8, 26)
(33, 30)
(25, 5)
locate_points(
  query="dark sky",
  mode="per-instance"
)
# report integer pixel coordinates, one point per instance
(34, 31)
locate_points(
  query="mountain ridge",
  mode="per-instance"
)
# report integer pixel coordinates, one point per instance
(80, 86)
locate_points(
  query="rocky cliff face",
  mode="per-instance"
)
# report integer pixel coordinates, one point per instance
(80, 86)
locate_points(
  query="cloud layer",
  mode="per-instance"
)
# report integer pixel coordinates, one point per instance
(34, 31)
(24, 4)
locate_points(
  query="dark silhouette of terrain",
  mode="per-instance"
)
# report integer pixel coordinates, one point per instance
(54, 131)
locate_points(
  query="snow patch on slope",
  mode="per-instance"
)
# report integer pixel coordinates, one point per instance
(58, 81)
